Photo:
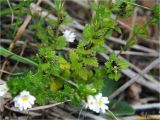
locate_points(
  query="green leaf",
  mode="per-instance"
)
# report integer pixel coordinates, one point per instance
(60, 42)
(109, 87)
(56, 85)
(122, 64)
(73, 56)
(112, 57)
(131, 42)
(93, 6)
(84, 73)
(44, 66)
(76, 65)
(64, 65)
(141, 30)
(66, 20)
(58, 4)
(156, 14)
(115, 76)
(92, 61)
(6, 53)
(118, 30)
(120, 108)
(156, 10)
(16, 8)
(102, 12)
(88, 32)
(98, 84)
(47, 53)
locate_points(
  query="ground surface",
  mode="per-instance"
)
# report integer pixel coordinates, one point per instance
(139, 85)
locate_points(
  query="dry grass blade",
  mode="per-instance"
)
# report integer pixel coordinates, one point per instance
(20, 31)
(7, 41)
(147, 117)
(23, 112)
(46, 106)
(137, 53)
(138, 47)
(147, 106)
(10, 73)
(87, 114)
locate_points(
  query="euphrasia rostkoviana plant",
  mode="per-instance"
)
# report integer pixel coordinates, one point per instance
(75, 74)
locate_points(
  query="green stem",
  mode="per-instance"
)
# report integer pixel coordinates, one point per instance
(68, 81)
(115, 118)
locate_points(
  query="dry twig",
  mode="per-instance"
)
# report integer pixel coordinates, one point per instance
(146, 106)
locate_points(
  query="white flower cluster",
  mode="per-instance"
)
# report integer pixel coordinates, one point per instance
(69, 35)
(22, 101)
(25, 100)
(97, 103)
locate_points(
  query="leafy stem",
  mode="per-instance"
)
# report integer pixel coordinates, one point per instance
(68, 81)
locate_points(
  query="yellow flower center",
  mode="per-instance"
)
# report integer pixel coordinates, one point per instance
(100, 103)
(4, 90)
(24, 99)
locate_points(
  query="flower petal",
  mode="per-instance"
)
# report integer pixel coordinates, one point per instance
(105, 100)
(98, 96)
(104, 108)
(69, 35)
(96, 109)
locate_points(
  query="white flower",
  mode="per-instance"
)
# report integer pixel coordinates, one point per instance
(101, 103)
(3, 89)
(113, 1)
(97, 103)
(69, 35)
(91, 102)
(24, 100)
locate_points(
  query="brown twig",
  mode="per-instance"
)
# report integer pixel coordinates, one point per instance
(148, 117)
(47, 106)
(137, 47)
(146, 106)
(9, 73)
(23, 112)
(137, 53)
(7, 41)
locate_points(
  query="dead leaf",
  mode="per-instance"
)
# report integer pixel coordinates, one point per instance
(134, 91)
(148, 3)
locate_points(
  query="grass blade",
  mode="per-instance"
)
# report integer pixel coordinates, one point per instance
(6, 53)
